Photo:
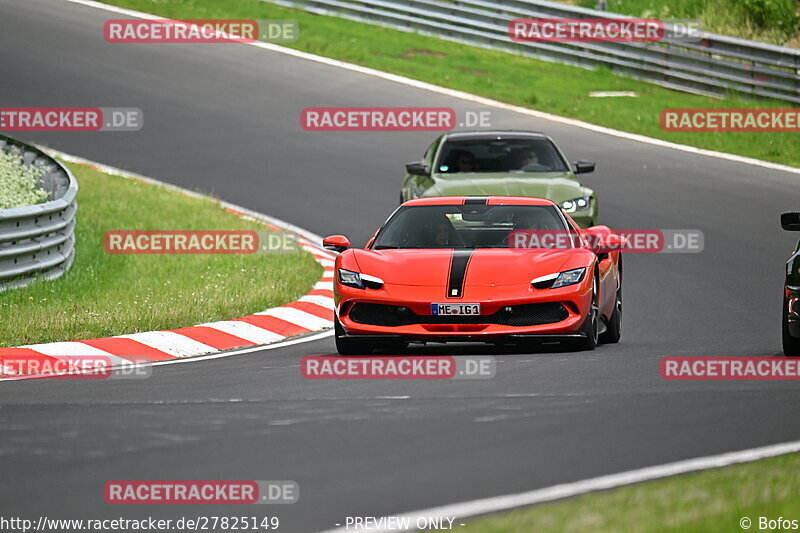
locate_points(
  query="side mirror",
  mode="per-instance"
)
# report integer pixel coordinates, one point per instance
(336, 243)
(614, 242)
(418, 168)
(583, 167)
(790, 221)
(602, 240)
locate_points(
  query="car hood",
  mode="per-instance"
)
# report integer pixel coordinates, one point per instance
(556, 186)
(486, 267)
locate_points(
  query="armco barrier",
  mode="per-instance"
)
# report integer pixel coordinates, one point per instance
(38, 241)
(713, 65)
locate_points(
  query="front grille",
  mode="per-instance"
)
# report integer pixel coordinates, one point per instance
(519, 315)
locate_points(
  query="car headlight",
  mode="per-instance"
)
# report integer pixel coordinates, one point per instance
(358, 280)
(560, 279)
(577, 204)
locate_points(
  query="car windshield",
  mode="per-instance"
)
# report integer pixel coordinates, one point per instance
(475, 226)
(500, 155)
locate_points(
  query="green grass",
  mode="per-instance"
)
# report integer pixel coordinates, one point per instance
(19, 183)
(550, 87)
(105, 294)
(769, 21)
(707, 502)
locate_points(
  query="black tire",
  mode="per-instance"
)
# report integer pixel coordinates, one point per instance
(591, 327)
(613, 330)
(347, 346)
(791, 345)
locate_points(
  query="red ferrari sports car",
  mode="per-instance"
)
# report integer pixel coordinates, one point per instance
(495, 269)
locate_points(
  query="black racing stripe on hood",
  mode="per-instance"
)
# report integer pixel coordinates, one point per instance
(458, 273)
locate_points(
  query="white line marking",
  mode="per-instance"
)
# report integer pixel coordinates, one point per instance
(323, 286)
(317, 299)
(471, 98)
(222, 355)
(246, 331)
(298, 317)
(568, 490)
(171, 343)
(65, 348)
(70, 349)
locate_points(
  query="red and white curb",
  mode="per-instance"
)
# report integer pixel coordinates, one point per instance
(311, 313)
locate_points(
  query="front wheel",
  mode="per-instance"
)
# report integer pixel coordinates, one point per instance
(614, 330)
(591, 327)
(348, 346)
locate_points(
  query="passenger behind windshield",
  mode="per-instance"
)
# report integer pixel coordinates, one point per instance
(500, 155)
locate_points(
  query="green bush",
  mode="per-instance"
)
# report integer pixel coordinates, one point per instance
(19, 183)
(781, 14)
(771, 21)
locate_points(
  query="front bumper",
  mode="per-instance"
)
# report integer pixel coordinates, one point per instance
(489, 339)
(495, 324)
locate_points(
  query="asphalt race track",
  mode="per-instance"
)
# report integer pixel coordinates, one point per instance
(225, 119)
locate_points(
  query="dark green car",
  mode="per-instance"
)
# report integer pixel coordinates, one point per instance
(791, 292)
(507, 163)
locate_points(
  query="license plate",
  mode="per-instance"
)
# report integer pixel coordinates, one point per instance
(455, 309)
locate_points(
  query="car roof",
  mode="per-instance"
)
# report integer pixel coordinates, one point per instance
(488, 200)
(495, 134)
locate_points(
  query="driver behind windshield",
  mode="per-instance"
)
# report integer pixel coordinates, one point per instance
(526, 159)
(424, 229)
(465, 161)
(444, 234)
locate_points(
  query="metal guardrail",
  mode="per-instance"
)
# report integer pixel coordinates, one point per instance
(713, 66)
(38, 241)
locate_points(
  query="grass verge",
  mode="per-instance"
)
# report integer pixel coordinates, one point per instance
(105, 294)
(549, 87)
(713, 501)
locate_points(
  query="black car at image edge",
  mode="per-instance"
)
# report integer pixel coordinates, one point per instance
(791, 291)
